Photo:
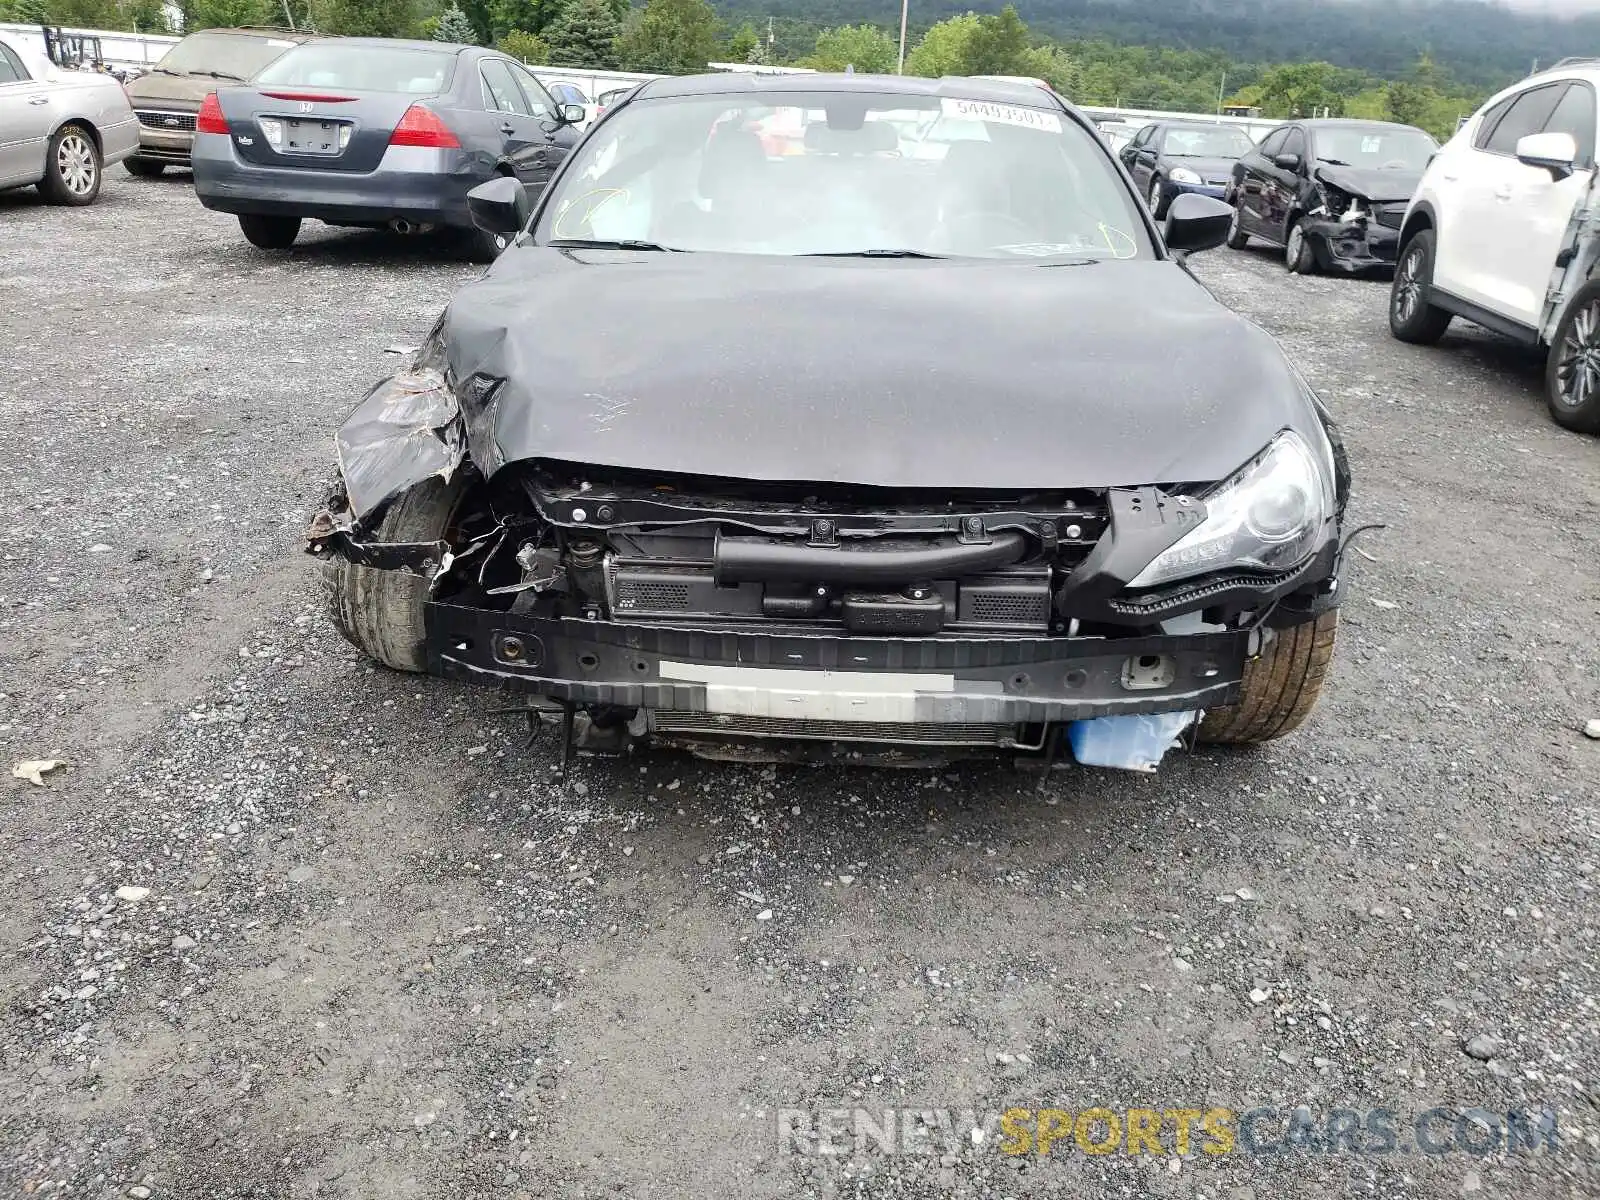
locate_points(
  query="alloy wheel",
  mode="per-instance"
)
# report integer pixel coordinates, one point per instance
(1408, 286)
(75, 164)
(1578, 365)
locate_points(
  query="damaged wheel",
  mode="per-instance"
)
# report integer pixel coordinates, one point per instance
(381, 612)
(1298, 255)
(1280, 686)
(1412, 317)
(269, 233)
(1572, 376)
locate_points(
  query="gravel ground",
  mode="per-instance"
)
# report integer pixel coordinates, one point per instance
(287, 925)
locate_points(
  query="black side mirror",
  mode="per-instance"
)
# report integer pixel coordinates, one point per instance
(1196, 222)
(1287, 162)
(500, 206)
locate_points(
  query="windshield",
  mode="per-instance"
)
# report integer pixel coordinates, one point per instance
(1374, 146)
(1221, 141)
(847, 173)
(237, 54)
(363, 68)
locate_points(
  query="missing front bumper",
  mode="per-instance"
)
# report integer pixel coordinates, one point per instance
(798, 684)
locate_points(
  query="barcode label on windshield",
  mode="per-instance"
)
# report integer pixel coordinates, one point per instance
(1001, 114)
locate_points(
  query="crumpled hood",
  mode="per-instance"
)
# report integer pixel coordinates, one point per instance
(1380, 187)
(901, 373)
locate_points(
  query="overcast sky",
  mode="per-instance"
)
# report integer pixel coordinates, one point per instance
(1561, 6)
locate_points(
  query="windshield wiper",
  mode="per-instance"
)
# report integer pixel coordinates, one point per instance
(222, 75)
(873, 253)
(1334, 162)
(610, 244)
(168, 71)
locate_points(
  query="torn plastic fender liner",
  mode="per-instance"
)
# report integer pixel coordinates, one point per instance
(407, 429)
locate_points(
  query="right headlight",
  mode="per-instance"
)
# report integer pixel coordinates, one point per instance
(1184, 175)
(1268, 516)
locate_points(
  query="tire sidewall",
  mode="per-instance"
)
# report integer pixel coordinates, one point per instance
(55, 184)
(1298, 257)
(1586, 417)
(1421, 243)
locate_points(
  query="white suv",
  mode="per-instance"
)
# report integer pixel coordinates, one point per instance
(1504, 231)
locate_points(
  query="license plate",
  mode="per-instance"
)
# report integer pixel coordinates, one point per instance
(313, 137)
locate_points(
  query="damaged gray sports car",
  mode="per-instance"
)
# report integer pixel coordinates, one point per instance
(786, 445)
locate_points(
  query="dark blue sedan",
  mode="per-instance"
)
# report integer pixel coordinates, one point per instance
(376, 133)
(1173, 157)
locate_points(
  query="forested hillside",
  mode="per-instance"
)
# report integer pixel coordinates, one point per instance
(1478, 43)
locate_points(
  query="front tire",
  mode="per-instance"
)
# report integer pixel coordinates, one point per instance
(72, 167)
(145, 168)
(1572, 375)
(1298, 255)
(1280, 687)
(1158, 198)
(381, 612)
(269, 233)
(1238, 239)
(1412, 315)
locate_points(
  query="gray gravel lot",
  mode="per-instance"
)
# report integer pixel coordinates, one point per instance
(382, 955)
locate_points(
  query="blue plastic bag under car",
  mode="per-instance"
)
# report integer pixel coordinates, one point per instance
(1135, 743)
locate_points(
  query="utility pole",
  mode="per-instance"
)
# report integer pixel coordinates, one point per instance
(905, 6)
(289, 16)
(1221, 90)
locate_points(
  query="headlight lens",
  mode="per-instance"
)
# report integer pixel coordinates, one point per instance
(1267, 516)
(1184, 175)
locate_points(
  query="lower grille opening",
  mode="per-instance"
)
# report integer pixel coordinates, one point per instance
(891, 732)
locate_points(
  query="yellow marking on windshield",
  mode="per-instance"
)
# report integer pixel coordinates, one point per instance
(606, 196)
(1130, 246)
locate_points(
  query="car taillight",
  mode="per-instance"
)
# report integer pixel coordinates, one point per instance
(210, 119)
(421, 126)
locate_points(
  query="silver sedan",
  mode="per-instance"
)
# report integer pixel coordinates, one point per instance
(60, 129)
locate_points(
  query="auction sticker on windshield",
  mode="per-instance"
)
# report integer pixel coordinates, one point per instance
(1001, 114)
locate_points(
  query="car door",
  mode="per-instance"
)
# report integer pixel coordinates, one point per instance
(1281, 185)
(1468, 262)
(26, 119)
(1253, 176)
(559, 136)
(1137, 157)
(1532, 211)
(523, 141)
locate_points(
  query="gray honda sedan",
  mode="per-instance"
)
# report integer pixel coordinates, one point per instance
(376, 133)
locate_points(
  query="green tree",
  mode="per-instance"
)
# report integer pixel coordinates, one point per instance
(30, 12)
(526, 47)
(453, 26)
(673, 37)
(1053, 65)
(229, 14)
(865, 47)
(1407, 103)
(368, 18)
(997, 45)
(743, 43)
(530, 16)
(584, 35)
(943, 49)
(1301, 90)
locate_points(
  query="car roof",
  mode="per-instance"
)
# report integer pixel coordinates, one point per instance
(267, 31)
(955, 87)
(401, 43)
(1348, 123)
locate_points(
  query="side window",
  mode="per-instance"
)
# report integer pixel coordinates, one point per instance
(11, 68)
(1575, 115)
(500, 89)
(1272, 144)
(1490, 120)
(539, 101)
(1528, 115)
(1295, 143)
